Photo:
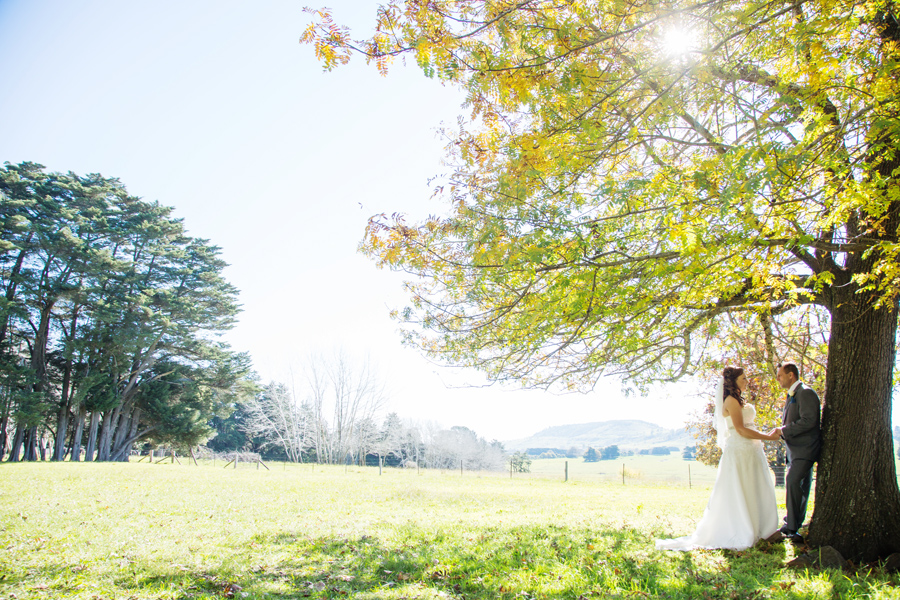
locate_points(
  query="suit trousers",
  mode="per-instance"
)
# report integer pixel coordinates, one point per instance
(797, 484)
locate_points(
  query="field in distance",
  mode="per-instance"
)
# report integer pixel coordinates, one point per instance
(169, 531)
(642, 468)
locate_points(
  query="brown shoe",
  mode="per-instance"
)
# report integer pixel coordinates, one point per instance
(775, 537)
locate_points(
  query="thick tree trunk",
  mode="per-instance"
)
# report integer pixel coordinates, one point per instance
(18, 438)
(30, 444)
(62, 419)
(42, 445)
(132, 434)
(62, 428)
(857, 501)
(109, 417)
(92, 437)
(125, 450)
(75, 452)
(4, 427)
(122, 427)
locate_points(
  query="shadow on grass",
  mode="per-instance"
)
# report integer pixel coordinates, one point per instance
(549, 562)
(464, 562)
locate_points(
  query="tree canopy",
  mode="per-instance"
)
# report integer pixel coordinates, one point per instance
(631, 172)
(676, 161)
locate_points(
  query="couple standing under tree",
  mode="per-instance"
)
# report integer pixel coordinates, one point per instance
(742, 507)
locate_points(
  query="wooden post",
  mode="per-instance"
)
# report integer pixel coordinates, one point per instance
(380, 463)
(260, 462)
(460, 467)
(623, 473)
(567, 470)
(194, 457)
(151, 456)
(228, 463)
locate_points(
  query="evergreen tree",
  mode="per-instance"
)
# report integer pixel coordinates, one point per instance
(106, 299)
(591, 455)
(609, 453)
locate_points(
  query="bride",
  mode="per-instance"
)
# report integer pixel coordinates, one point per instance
(741, 508)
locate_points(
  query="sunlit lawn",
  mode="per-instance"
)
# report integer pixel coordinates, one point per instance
(183, 531)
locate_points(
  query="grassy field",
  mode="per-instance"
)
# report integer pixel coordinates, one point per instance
(123, 531)
(671, 469)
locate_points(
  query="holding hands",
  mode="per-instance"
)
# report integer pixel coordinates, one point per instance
(774, 434)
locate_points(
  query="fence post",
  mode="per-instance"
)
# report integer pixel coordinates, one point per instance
(380, 463)
(623, 473)
(567, 470)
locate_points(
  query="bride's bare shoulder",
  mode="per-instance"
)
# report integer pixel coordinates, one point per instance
(730, 401)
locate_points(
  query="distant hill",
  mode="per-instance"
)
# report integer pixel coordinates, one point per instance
(625, 434)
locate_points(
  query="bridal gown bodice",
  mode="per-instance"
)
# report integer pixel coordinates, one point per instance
(736, 440)
(741, 507)
(749, 420)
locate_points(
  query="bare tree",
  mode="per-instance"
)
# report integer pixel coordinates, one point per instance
(342, 396)
(447, 448)
(275, 416)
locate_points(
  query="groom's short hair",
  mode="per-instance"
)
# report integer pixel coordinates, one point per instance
(790, 368)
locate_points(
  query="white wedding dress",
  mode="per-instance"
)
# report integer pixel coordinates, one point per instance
(741, 508)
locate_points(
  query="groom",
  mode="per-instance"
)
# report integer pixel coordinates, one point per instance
(800, 431)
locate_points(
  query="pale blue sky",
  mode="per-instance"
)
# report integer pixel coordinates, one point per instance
(213, 107)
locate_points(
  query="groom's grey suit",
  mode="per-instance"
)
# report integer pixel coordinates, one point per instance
(803, 436)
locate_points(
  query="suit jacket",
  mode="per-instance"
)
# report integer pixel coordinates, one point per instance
(801, 425)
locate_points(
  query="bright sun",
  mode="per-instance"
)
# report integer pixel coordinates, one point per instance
(678, 41)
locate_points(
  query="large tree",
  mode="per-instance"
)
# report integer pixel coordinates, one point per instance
(632, 171)
(109, 307)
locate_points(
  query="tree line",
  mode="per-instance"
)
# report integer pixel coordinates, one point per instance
(332, 414)
(109, 321)
(109, 317)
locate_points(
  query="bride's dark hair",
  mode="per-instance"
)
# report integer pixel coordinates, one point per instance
(730, 375)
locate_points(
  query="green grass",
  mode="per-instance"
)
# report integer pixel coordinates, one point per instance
(104, 531)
